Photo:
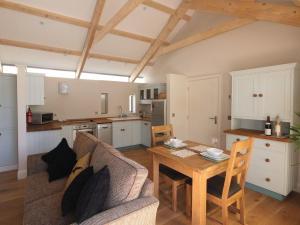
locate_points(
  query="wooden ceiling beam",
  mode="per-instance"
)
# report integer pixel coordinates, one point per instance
(168, 28)
(164, 8)
(90, 36)
(271, 12)
(64, 51)
(203, 35)
(68, 20)
(124, 11)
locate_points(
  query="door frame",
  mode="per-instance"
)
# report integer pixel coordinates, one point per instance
(219, 77)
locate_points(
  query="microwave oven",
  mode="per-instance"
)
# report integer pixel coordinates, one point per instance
(42, 117)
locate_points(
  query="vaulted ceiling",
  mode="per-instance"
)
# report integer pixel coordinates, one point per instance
(121, 37)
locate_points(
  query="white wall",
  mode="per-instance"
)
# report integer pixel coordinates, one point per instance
(83, 100)
(254, 45)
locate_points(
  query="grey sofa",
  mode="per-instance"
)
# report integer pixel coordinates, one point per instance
(130, 199)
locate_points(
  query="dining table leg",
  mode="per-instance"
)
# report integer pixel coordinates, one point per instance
(199, 192)
(155, 174)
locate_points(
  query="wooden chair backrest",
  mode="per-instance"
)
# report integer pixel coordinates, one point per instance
(238, 164)
(161, 134)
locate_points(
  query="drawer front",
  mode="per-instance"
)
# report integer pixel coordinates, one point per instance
(230, 138)
(267, 179)
(268, 160)
(270, 145)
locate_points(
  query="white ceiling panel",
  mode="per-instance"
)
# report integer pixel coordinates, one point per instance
(121, 46)
(108, 67)
(13, 55)
(178, 27)
(144, 20)
(81, 9)
(23, 27)
(110, 9)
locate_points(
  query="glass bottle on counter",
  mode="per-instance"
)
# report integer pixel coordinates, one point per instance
(268, 127)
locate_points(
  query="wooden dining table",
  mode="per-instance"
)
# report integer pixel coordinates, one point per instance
(196, 167)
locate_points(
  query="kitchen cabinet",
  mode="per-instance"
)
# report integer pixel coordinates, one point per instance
(42, 141)
(45, 141)
(36, 89)
(272, 164)
(146, 133)
(130, 133)
(257, 93)
(8, 122)
(122, 134)
(136, 132)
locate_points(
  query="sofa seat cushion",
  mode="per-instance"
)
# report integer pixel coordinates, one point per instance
(84, 143)
(126, 176)
(38, 186)
(46, 211)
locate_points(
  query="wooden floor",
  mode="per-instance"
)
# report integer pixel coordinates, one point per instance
(261, 210)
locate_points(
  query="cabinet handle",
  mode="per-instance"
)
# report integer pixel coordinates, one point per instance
(268, 179)
(267, 160)
(146, 124)
(0, 134)
(122, 129)
(238, 139)
(260, 95)
(254, 95)
(268, 145)
(0, 105)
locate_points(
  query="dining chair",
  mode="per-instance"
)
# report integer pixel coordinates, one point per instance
(224, 191)
(160, 134)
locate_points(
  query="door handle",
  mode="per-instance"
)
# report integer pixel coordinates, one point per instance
(215, 119)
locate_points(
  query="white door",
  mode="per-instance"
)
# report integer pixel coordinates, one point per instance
(244, 96)
(203, 110)
(177, 104)
(8, 121)
(275, 95)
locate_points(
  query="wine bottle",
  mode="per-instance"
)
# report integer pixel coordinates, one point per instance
(268, 127)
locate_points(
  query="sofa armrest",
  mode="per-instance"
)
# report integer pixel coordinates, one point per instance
(141, 211)
(148, 189)
(35, 164)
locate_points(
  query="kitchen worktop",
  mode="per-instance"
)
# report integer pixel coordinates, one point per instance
(256, 134)
(57, 125)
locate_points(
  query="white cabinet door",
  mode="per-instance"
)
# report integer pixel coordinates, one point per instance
(67, 132)
(8, 122)
(275, 95)
(243, 96)
(136, 132)
(146, 133)
(122, 134)
(44, 141)
(36, 89)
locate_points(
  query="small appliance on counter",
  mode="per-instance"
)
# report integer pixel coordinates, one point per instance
(42, 117)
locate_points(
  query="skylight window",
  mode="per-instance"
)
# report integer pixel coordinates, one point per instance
(52, 73)
(8, 69)
(105, 77)
(11, 69)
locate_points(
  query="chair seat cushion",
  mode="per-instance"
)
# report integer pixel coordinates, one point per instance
(215, 186)
(174, 175)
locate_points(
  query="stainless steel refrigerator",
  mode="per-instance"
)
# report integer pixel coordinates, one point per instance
(159, 112)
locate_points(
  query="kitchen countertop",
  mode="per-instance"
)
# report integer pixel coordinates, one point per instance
(57, 125)
(256, 134)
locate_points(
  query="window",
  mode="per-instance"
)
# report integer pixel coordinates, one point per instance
(11, 69)
(52, 73)
(132, 104)
(104, 103)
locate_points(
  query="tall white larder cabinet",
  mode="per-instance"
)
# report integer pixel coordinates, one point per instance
(258, 93)
(8, 122)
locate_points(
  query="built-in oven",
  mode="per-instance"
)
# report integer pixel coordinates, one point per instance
(90, 128)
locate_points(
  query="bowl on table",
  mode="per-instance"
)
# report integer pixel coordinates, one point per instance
(214, 152)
